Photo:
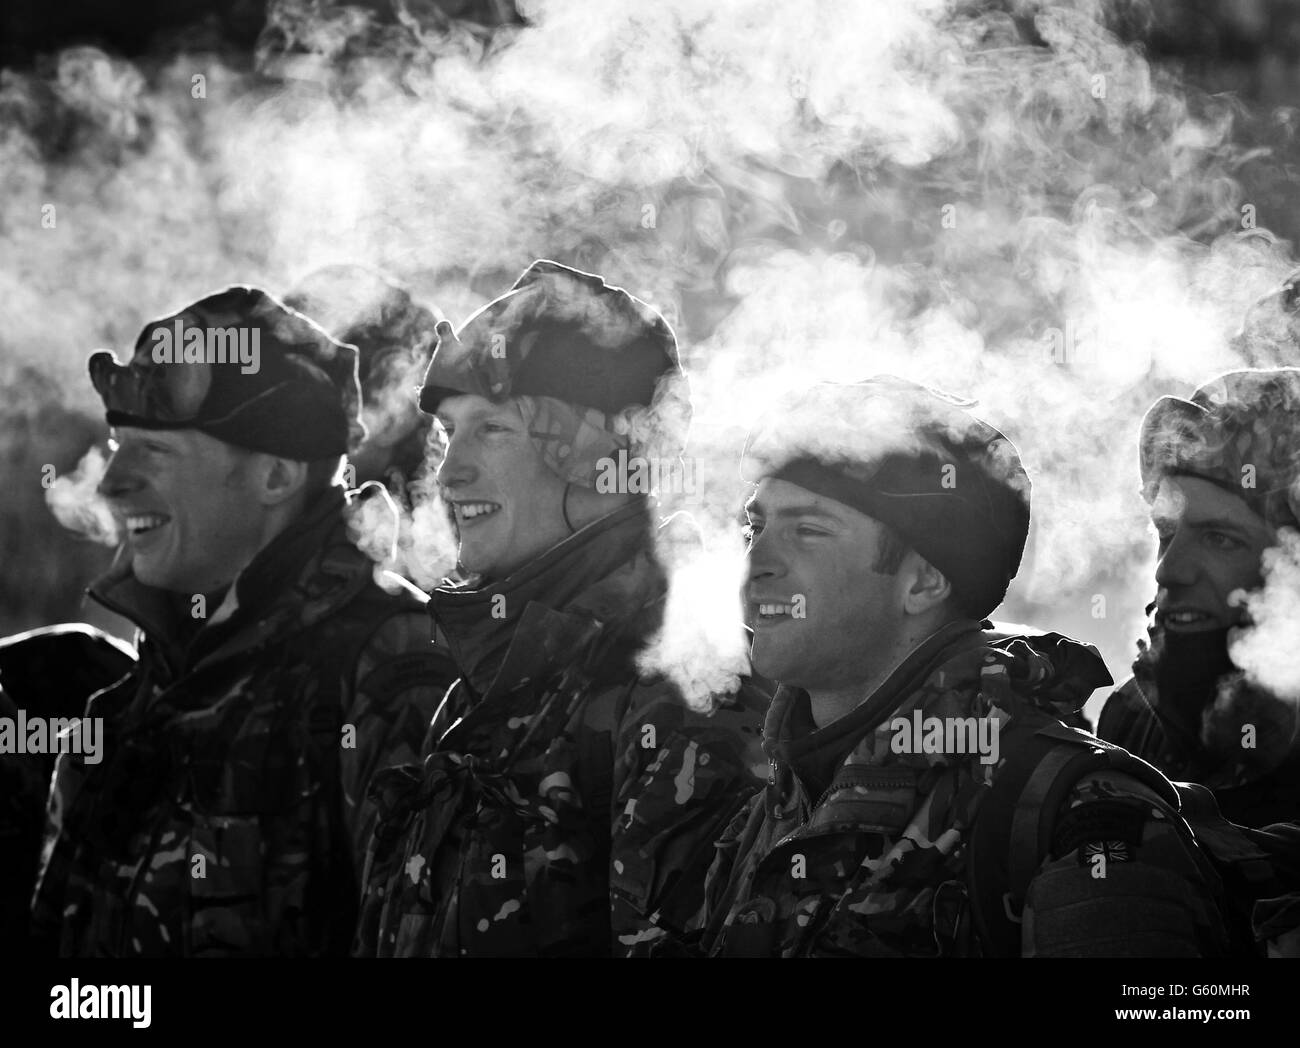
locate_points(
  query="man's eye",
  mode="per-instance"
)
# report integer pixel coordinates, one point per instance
(1223, 542)
(808, 531)
(751, 530)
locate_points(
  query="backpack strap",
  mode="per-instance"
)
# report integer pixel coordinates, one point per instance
(1015, 823)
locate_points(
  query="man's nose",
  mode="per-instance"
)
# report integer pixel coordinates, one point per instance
(1177, 566)
(120, 477)
(764, 558)
(457, 468)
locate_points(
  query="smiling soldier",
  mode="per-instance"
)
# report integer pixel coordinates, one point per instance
(228, 815)
(1221, 472)
(885, 525)
(526, 830)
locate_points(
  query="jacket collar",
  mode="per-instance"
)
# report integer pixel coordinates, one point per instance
(1011, 666)
(508, 631)
(304, 573)
(785, 716)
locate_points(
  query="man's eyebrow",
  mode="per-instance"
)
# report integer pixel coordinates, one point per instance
(805, 509)
(494, 411)
(1222, 523)
(1219, 523)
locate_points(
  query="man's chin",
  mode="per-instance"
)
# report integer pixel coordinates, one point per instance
(161, 581)
(149, 572)
(157, 575)
(477, 561)
(773, 663)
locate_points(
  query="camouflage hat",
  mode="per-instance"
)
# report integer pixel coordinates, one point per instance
(240, 366)
(557, 333)
(1240, 431)
(915, 459)
(583, 360)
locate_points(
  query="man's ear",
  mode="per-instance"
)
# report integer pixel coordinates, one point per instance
(926, 588)
(279, 479)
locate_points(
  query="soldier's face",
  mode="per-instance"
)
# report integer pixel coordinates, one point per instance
(1210, 547)
(191, 520)
(506, 502)
(822, 616)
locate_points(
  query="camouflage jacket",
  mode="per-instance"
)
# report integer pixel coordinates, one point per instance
(876, 866)
(525, 831)
(1258, 785)
(227, 816)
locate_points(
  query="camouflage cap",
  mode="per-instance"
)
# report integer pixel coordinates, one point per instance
(591, 368)
(558, 332)
(915, 459)
(1240, 431)
(240, 366)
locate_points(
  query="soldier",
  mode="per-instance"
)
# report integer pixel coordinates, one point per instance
(1221, 473)
(226, 816)
(886, 524)
(525, 826)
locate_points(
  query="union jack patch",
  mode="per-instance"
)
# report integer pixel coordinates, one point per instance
(1114, 851)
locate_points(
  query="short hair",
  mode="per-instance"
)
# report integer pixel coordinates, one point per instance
(891, 548)
(890, 551)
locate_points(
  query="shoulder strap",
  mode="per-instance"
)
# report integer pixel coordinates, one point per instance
(1015, 822)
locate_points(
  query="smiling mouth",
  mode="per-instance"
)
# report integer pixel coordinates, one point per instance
(1187, 619)
(144, 523)
(771, 612)
(469, 512)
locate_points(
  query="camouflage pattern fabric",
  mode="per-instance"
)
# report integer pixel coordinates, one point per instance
(1238, 431)
(876, 867)
(228, 816)
(525, 831)
(571, 438)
